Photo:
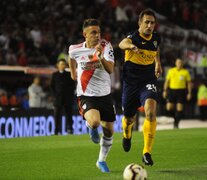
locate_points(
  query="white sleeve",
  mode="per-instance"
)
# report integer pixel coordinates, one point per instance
(70, 53)
(108, 52)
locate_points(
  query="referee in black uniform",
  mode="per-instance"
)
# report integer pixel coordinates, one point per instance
(63, 88)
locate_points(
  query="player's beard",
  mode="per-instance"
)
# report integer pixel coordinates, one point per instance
(148, 32)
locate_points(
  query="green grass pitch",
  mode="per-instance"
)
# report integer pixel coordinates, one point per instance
(178, 155)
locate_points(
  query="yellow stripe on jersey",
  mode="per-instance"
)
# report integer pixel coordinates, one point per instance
(144, 57)
(149, 38)
(178, 78)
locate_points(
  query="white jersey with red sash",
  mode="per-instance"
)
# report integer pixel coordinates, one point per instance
(93, 79)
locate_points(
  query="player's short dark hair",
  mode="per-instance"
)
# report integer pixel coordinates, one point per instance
(90, 22)
(147, 11)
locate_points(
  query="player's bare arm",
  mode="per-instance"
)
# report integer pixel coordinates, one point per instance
(166, 85)
(126, 44)
(107, 65)
(72, 65)
(158, 67)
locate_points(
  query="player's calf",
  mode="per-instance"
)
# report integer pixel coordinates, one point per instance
(93, 134)
(127, 135)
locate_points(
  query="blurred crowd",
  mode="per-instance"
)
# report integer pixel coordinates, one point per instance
(189, 14)
(37, 33)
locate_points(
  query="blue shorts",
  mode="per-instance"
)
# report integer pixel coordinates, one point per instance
(139, 84)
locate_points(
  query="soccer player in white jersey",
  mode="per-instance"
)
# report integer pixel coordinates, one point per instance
(91, 63)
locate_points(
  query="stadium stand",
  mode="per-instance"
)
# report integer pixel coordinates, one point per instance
(37, 33)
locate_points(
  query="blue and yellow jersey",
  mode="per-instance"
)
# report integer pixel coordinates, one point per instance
(148, 48)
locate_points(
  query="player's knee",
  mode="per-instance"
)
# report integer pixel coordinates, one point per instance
(94, 123)
(170, 107)
(179, 107)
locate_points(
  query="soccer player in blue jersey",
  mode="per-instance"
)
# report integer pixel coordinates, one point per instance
(141, 69)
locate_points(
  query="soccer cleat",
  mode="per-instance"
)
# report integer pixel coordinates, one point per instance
(93, 134)
(126, 144)
(147, 159)
(102, 166)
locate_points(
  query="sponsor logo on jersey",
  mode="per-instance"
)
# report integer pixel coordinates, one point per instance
(82, 58)
(92, 65)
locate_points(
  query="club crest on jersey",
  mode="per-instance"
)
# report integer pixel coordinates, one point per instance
(129, 36)
(155, 43)
(90, 57)
(84, 106)
(82, 58)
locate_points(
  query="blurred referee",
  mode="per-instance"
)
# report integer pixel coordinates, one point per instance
(177, 82)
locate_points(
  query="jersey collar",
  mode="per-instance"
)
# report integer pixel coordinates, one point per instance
(145, 37)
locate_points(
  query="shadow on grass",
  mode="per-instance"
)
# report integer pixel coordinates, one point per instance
(173, 171)
(185, 172)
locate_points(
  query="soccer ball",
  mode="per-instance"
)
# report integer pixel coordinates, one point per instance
(134, 172)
